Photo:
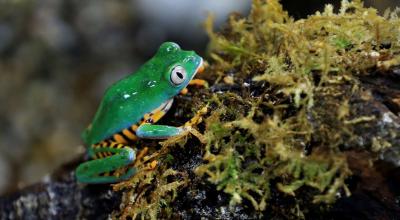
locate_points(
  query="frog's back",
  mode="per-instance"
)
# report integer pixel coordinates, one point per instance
(124, 104)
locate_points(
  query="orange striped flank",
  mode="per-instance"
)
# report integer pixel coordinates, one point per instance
(129, 134)
(134, 127)
(120, 139)
(158, 115)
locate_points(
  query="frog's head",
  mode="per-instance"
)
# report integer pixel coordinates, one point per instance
(179, 66)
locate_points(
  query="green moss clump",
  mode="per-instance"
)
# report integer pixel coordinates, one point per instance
(146, 199)
(244, 157)
(305, 73)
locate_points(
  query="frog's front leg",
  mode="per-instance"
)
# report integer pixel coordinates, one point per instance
(117, 156)
(150, 131)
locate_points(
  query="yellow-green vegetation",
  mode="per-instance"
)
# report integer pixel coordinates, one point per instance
(310, 69)
(285, 118)
(148, 192)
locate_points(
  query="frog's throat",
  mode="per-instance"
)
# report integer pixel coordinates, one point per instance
(166, 105)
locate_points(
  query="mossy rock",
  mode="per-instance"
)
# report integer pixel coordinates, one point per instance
(302, 122)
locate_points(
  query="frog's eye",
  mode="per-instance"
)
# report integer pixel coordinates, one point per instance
(178, 75)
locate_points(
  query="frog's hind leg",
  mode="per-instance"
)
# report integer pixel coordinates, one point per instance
(110, 158)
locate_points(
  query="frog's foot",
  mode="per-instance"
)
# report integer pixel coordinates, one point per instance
(140, 156)
(196, 82)
(97, 171)
(153, 164)
(199, 83)
(197, 119)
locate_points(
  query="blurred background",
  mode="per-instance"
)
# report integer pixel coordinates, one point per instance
(58, 56)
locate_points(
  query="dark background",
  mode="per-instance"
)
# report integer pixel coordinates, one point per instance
(58, 56)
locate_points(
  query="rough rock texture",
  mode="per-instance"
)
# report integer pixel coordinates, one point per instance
(60, 198)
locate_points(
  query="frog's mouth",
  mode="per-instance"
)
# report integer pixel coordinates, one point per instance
(200, 68)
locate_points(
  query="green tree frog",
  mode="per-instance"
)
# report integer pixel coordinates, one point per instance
(128, 110)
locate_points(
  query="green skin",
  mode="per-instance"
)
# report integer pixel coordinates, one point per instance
(127, 101)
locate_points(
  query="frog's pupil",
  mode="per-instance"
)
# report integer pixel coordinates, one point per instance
(180, 75)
